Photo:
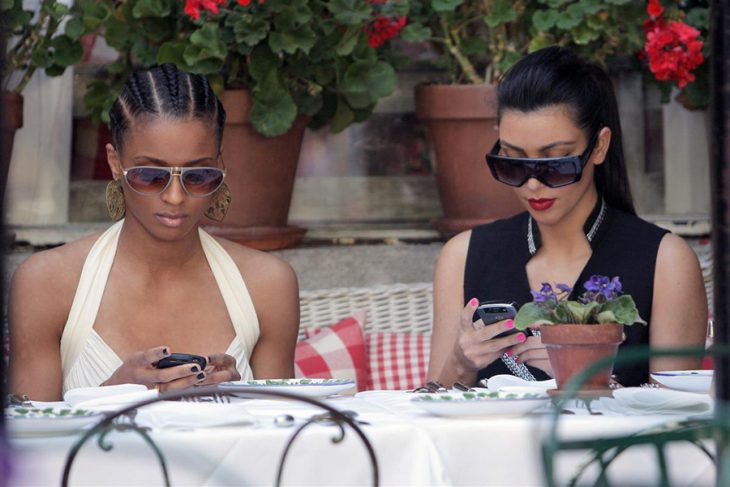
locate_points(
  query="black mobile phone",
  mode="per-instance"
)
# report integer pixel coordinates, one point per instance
(175, 359)
(493, 311)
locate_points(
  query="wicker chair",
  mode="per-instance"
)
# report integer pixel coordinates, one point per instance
(391, 307)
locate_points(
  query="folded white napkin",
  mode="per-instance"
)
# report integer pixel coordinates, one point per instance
(189, 415)
(496, 382)
(639, 400)
(108, 398)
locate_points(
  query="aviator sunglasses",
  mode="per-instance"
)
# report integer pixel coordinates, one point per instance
(153, 180)
(554, 172)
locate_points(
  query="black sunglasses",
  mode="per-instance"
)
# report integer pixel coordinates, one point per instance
(554, 172)
(196, 181)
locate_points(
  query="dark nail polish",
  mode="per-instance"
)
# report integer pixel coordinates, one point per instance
(164, 351)
(194, 368)
(200, 376)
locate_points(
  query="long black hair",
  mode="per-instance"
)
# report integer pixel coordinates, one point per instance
(557, 76)
(165, 91)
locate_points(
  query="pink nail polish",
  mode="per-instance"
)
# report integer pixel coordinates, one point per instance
(473, 302)
(521, 337)
(510, 353)
(510, 324)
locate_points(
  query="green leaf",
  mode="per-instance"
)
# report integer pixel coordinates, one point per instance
(581, 312)
(248, 29)
(606, 317)
(698, 17)
(172, 52)
(6, 4)
(199, 61)
(445, 5)
(95, 14)
(293, 17)
(362, 114)
(377, 79)
(207, 38)
(144, 53)
(118, 34)
(309, 104)
(697, 93)
(572, 17)
(66, 51)
(532, 314)
(151, 8)
(502, 12)
(273, 110)
(617, 2)
(623, 309)
(583, 34)
(74, 28)
(342, 118)
(263, 63)
(349, 12)
(415, 33)
(302, 38)
(58, 11)
(348, 42)
(591, 6)
(41, 57)
(544, 20)
(541, 40)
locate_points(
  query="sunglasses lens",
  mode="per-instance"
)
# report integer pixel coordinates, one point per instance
(558, 174)
(203, 181)
(148, 179)
(508, 173)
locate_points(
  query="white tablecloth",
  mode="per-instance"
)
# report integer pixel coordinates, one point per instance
(412, 448)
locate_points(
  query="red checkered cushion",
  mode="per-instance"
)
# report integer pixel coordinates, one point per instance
(397, 360)
(334, 352)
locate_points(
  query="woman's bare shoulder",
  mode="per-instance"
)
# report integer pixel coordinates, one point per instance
(267, 269)
(58, 268)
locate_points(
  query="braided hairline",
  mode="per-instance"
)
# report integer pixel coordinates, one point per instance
(134, 100)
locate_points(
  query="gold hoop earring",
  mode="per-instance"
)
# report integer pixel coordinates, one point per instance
(115, 200)
(219, 203)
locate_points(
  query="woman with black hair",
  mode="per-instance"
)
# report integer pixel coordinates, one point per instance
(560, 149)
(107, 309)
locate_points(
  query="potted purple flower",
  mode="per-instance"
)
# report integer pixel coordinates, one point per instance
(578, 332)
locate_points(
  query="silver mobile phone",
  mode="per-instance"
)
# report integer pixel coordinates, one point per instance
(493, 311)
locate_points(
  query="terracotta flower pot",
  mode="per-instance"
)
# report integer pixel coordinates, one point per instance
(571, 348)
(11, 119)
(260, 172)
(462, 127)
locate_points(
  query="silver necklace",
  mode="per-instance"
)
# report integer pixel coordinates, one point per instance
(590, 235)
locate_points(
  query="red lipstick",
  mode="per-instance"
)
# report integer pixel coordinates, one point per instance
(541, 204)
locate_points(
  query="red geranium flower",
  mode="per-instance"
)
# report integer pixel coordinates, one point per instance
(655, 8)
(674, 50)
(383, 28)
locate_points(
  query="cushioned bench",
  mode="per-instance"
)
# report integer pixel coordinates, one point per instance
(379, 335)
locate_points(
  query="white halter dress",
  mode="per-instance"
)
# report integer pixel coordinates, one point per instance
(87, 360)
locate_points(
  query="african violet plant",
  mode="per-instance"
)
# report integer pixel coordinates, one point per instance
(602, 302)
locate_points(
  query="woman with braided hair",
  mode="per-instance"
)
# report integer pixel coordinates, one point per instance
(107, 308)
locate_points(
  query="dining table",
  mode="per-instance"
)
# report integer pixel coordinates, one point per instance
(232, 440)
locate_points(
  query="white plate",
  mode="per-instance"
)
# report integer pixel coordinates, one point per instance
(480, 404)
(30, 422)
(304, 387)
(685, 380)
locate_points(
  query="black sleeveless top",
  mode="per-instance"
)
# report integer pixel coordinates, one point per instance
(623, 245)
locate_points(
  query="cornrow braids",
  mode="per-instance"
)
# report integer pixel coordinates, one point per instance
(165, 91)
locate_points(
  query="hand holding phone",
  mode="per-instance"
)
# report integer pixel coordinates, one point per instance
(493, 311)
(175, 359)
